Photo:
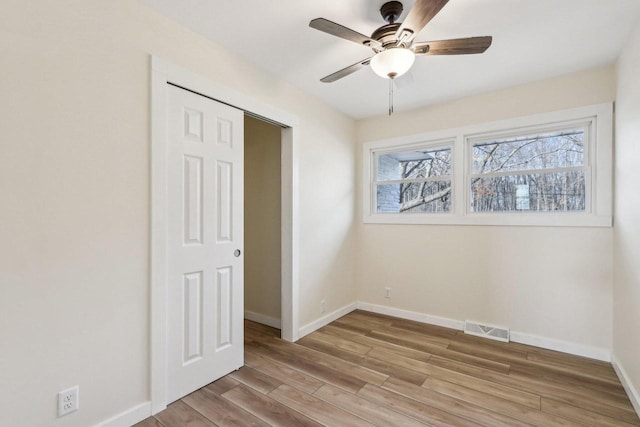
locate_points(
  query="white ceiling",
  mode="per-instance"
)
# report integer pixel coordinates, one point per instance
(532, 40)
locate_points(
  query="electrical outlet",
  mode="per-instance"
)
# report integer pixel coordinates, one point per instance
(387, 292)
(323, 306)
(68, 400)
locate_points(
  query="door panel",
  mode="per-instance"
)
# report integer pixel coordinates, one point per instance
(205, 228)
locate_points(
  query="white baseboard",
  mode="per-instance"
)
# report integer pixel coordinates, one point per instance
(263, 319)
(412, 315)
(576, 349)
(632, 392)
(325, 320)
(520, 337)
(129, 417)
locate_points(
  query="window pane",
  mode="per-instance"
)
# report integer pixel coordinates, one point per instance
(423, 197)
(545, 192)
(414, 164)
(542, 151)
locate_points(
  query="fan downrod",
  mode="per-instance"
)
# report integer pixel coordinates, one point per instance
(391, 11)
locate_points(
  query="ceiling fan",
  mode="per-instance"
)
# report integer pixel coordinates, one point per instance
(393, 44)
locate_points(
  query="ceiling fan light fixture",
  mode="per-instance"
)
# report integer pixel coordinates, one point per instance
(393, 62)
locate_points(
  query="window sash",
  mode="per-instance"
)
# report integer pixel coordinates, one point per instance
(428, 146)
(540, 191)
(586, 124)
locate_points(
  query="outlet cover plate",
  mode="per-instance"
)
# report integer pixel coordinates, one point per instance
(68, 401)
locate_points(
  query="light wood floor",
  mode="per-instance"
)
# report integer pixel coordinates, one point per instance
(367, 369)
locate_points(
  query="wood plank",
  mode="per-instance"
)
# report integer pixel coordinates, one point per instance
(315, 408)
(449, 354)
(602, 403)
(359, 329)
(382, 368)
(375, 343)
(267, 409)
(496, 404)
(373, 412)
(566, 379)
(367, 316)
(341, 343)
(284, 373)
(181, 414)
(149, 422)
(220, 411)
(397, 359)
(554, 354)
(498, 346)
(316, 351)
(425, 328)
(416, 335)
(252, 335)
(362, 324)
(488, 351)
(582, 415)
(263, 329)
(255, 379)
(313, 369)
(576, 365)
(427, 414)
(489, 387)
(463, 409)
(413, 337)
(373, 324)
(222, 385)
(600, 377)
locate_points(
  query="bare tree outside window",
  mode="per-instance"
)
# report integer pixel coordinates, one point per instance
(539, 173)
(416, 181)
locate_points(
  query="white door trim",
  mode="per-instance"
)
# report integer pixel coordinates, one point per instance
(163, 72)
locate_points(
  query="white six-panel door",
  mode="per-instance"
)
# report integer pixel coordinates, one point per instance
(205, 241)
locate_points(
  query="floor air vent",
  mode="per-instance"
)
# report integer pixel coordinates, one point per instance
(487, 331)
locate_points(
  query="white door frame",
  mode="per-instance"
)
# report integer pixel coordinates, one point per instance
(162, 73)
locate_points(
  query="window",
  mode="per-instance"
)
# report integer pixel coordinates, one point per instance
(551, 169)
(540, 172)
(414, 181)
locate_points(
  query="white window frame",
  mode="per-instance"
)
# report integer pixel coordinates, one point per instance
(598, 166)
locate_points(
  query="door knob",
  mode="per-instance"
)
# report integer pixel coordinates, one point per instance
(237, 253)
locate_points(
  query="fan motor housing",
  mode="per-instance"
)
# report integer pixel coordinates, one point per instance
(386, 35)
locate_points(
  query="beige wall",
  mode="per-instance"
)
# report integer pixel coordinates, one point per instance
(572, 90)
(626, 238)
(74, 185)
(262, 278)
(74, 223)
(551, 282)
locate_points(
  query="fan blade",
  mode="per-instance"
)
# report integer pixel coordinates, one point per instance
(338, 30)
(345, 71)
(420, 14)
(466, 46)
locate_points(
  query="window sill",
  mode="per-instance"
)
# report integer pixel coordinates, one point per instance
(503, 219)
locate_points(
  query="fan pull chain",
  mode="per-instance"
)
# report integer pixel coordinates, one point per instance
(390, 96)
